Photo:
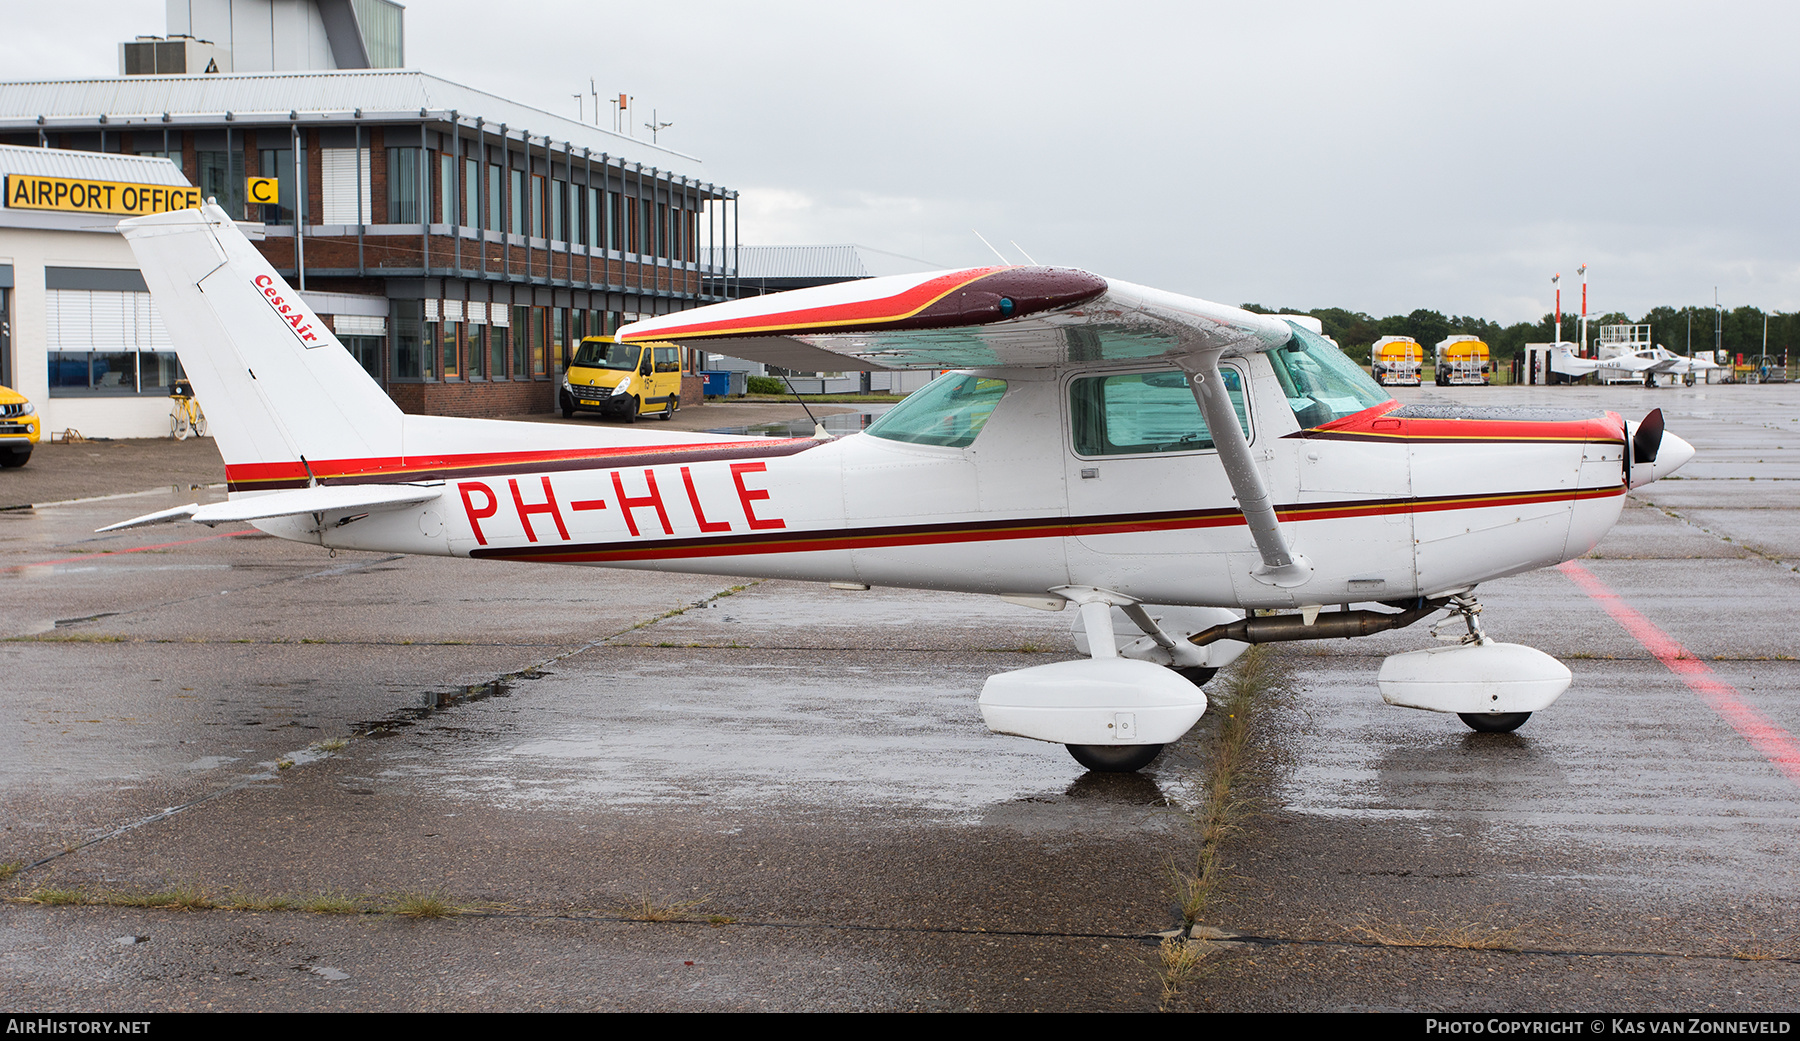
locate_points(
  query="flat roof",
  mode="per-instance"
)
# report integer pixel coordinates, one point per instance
(373, 95)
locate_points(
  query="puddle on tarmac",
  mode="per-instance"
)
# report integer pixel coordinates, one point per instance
(646, 734)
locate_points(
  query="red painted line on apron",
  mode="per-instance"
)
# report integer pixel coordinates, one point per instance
(122, 552)
(1776, 744)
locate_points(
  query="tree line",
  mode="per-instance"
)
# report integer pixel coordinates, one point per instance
(1741, 329)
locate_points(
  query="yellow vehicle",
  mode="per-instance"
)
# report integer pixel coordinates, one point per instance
(625, 380)
(1396, 360)
(1462, 361)
(18, 427)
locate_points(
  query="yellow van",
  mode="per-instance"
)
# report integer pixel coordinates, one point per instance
(625, 380)
(18, 428)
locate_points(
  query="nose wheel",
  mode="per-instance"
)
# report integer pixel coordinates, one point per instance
(1114, 759)
(1494, 722)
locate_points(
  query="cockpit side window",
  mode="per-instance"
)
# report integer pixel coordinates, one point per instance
(1141, 412)
(1320, 383)
(950, 411)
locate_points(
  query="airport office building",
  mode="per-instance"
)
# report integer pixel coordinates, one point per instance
(458, 244)
(78, 334)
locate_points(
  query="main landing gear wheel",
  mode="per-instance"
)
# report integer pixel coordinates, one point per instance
(1198, 675)
(1114, 759)
(1494, 722)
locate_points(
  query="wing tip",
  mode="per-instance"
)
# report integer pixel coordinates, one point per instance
(962, 297)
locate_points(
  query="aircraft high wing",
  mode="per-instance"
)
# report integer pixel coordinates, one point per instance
(1192, 477)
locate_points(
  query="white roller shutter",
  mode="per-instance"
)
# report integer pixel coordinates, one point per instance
(344, 182)
(103, 320)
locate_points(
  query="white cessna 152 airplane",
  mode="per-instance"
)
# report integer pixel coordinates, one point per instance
(1192, 477)
(1649, 363)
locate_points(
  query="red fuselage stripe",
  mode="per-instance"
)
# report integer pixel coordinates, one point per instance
(395, 469)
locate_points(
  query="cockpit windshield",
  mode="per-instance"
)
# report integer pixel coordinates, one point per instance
(598, 354)
(1320, 383)
(948, 411)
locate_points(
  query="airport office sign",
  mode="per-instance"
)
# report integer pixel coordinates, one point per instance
(80, 195)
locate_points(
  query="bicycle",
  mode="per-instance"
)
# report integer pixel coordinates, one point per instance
(185, 416)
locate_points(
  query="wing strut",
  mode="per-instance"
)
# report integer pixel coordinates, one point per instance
(1281, 566)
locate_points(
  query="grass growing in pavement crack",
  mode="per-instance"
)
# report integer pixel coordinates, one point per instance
(434, 904)
(1466, 936)
(644, 909)
(685, 608)
(1219, 805)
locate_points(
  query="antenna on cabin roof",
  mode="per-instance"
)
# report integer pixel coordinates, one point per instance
(990, 245)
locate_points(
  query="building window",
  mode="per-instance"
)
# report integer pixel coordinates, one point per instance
(471, 194)
(403, 185)
(594, 199)
(496, 185)
(366, 350)
(382, 25)
(476, 336)
(537, 206)
(222, 178)
(445, 211)
(408, 339)
(540, 333)
(344, 186)
(497, 340)
(521, 338)
(517, 224)
(279, 164)
(452, 339)
(106, 342)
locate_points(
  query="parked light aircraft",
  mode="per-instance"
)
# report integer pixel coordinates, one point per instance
(1192, 477)
(1649, 363)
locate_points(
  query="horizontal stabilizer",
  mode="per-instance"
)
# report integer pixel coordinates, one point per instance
(333, 499)
(159, 517)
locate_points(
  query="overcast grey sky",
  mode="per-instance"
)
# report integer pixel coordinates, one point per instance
(1379, 156)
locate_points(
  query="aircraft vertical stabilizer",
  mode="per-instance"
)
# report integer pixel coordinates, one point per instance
(276, 385)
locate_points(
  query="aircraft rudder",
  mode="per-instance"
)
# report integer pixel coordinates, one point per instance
(274, 380)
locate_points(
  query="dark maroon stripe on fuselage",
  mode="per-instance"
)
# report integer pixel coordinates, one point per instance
(827, 539)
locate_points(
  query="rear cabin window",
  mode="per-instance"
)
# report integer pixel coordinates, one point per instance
(948, 411)
(1144, 412)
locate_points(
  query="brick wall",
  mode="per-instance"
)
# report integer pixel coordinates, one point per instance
(481, 398)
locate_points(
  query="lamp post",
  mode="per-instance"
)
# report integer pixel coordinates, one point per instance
(1582, 271)
(1556, 280)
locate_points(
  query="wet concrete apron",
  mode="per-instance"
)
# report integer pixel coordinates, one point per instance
(796, 782)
